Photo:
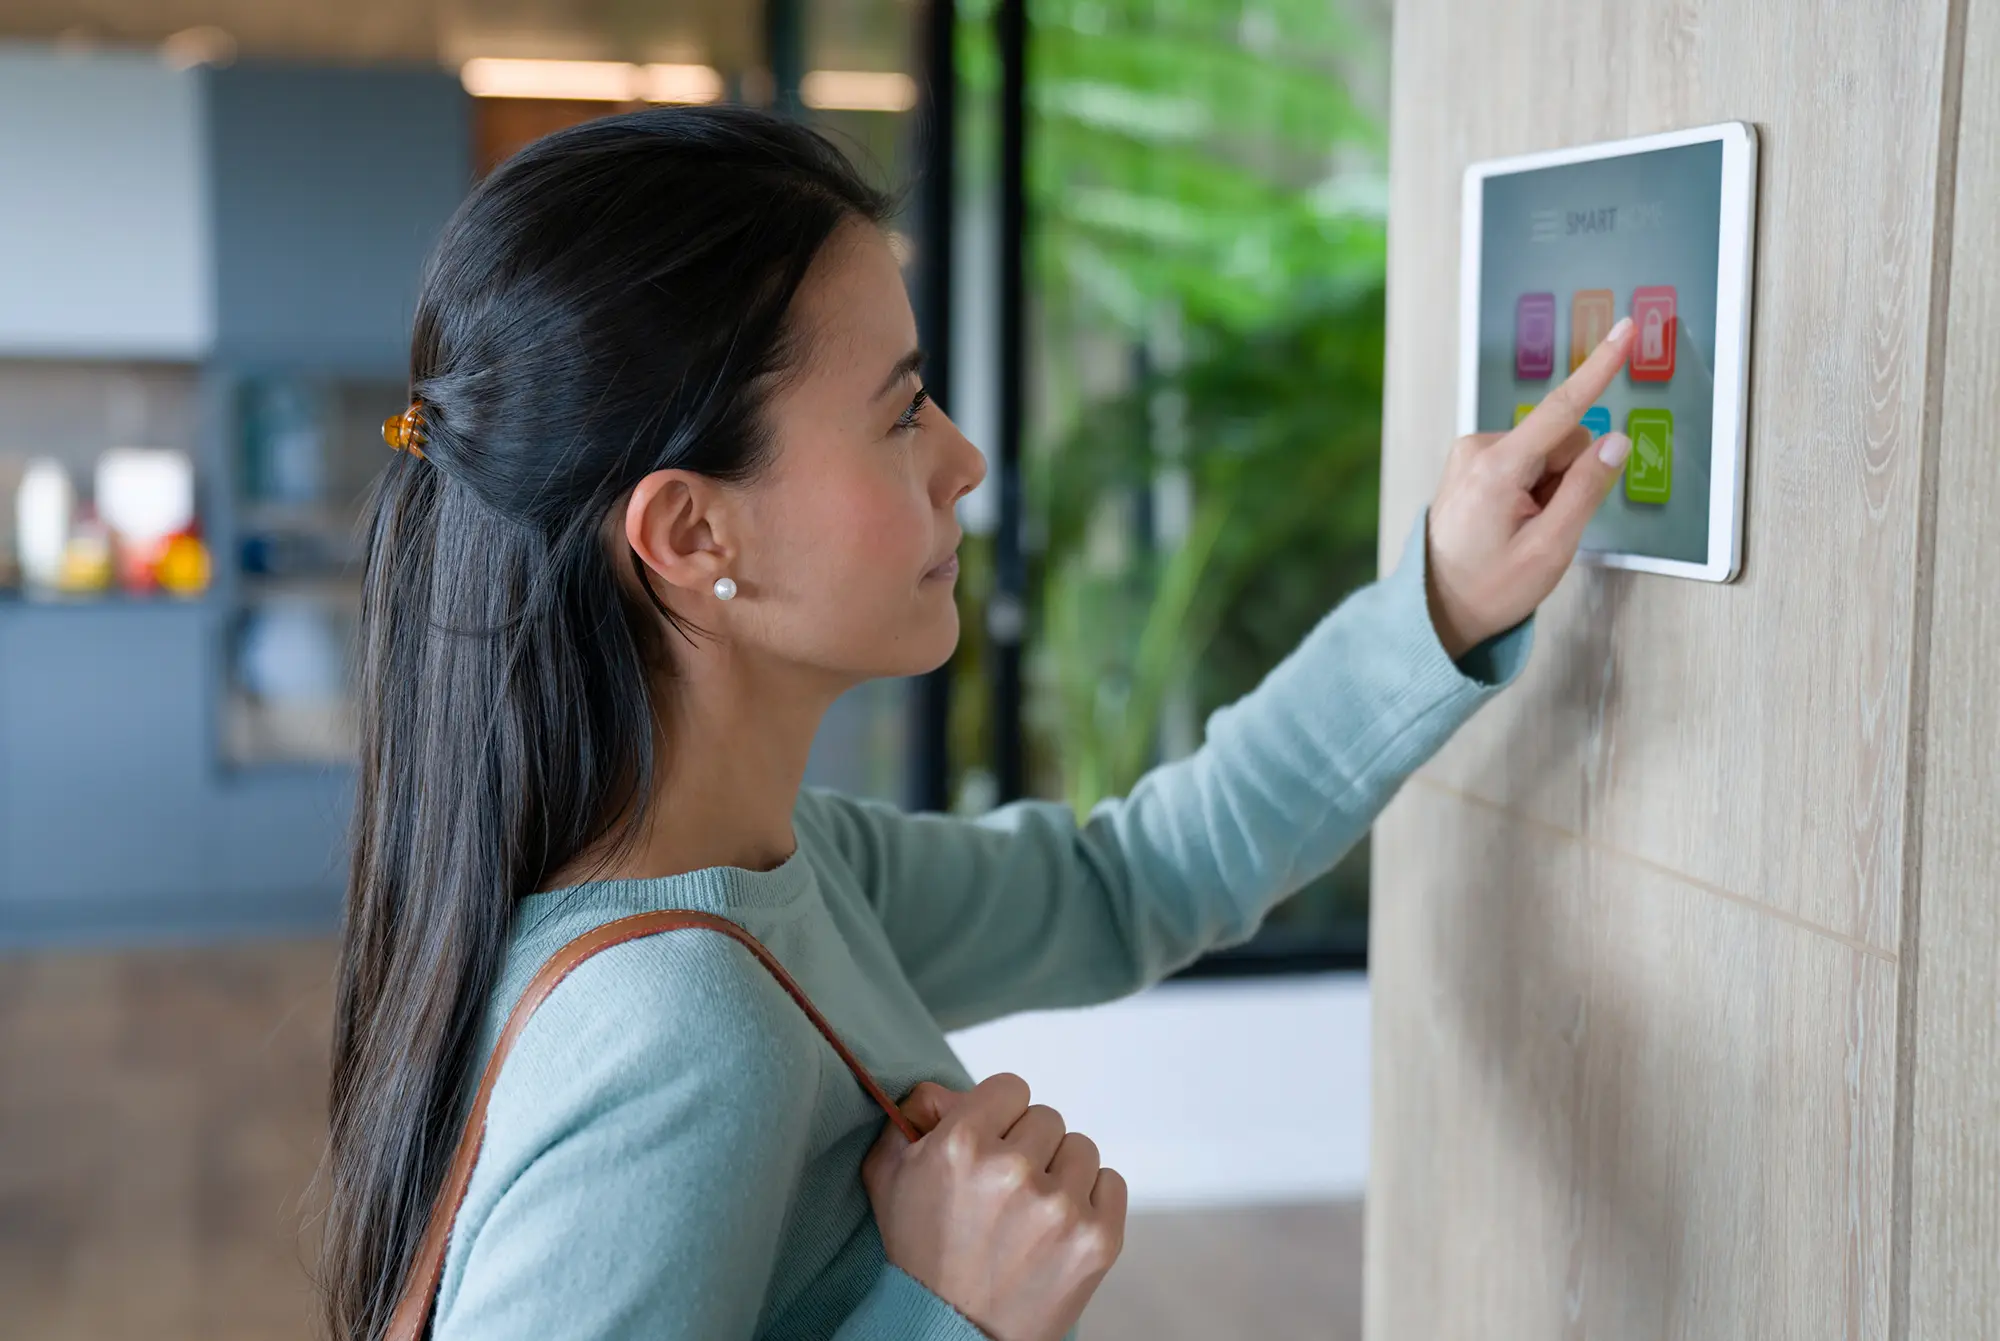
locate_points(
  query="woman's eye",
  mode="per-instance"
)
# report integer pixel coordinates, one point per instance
(908, 419)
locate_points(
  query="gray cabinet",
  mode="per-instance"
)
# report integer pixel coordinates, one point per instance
(329, 187)
(115, 819)
(102, 763)
(104, 239)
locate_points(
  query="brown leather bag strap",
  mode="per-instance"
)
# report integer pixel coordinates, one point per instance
(420, 1286)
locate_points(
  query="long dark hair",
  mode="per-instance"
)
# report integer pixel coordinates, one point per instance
(610, 302)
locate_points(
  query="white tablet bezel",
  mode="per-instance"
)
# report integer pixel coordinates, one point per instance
(1732, 328)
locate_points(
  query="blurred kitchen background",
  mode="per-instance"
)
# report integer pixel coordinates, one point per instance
(1145, 242)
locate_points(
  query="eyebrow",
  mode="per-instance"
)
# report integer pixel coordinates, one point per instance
(906, 365)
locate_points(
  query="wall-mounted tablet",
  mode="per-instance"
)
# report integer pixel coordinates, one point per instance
(1558, 246)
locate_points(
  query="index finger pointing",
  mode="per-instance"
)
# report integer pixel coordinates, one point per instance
(1551, 422)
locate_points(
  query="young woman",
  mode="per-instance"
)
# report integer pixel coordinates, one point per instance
(674, 486)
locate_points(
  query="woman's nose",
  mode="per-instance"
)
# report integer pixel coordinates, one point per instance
(964, 466)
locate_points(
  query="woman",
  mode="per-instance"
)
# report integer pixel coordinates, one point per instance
(676, 486)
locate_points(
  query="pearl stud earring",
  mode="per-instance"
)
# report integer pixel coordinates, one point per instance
(725, 589)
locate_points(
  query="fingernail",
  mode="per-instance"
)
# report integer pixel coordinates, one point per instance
(1624, 325)
(1613, 448)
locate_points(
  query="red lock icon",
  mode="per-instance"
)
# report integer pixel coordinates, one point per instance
(1653, 312)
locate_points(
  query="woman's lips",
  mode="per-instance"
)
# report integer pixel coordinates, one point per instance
(945, 571)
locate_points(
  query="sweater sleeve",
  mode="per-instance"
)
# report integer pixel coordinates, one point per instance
(642, 1146)
(1025, 909)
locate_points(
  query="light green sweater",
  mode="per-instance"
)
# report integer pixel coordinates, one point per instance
(672, 1150)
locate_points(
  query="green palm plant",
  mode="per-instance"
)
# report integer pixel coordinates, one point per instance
(1283, 433)
(1201, 159)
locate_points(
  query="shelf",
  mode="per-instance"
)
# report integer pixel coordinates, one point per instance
(15, 602)
(345, 588)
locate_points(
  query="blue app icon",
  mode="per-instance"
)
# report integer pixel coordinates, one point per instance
(1598, 420)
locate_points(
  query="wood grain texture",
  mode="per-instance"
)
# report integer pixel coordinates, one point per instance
(1638, 931)
(1609, 1104)
(1779, 705)
(1954, 1175)
(1276, 1273)
(161, 1117)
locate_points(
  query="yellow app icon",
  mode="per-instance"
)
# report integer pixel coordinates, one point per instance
(1649, 472)
(1591, 312)
(1522, 412)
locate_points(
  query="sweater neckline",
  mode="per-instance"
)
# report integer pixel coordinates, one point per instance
(712, 889)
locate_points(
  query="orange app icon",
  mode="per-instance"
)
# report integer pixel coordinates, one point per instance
(1590, 318)
(1653, 353)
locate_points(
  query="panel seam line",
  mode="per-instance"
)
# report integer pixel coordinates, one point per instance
(1658, 868)
(1902, 1129)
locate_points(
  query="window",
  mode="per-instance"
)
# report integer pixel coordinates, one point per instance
(1204, 335)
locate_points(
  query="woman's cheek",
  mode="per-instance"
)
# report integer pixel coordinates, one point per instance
(887, 533)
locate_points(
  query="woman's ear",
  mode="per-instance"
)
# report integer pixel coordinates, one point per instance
(678, 523)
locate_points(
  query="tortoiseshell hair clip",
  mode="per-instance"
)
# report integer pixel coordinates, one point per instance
(405, 431)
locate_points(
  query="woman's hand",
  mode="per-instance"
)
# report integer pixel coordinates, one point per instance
(998, 1210)
(1511, 509)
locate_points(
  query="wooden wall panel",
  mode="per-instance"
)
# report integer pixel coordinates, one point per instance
(1610, 1104)
(1954, 1188)
(1654, 935)
(1779, 704)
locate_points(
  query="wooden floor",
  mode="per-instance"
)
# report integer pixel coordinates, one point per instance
(161, 1115)
(1273, 1274)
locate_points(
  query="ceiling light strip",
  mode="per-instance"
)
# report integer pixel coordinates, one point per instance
(622, 81)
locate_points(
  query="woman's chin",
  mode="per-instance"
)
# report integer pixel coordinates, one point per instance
(946, 643)
(933, 643)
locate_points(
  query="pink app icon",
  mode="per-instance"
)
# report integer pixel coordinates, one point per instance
(1653, 352)
(1535, 336)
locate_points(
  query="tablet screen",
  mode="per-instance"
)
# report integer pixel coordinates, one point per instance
(1566, 251)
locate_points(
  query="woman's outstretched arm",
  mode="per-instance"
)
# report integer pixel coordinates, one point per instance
(1026, 909)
